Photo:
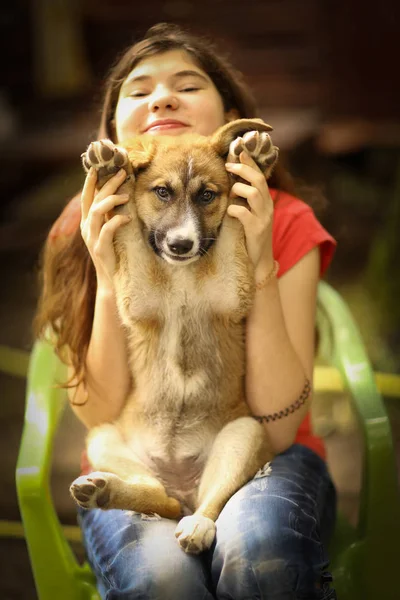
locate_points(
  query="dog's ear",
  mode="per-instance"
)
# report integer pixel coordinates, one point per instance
(225, 135)
(141, 151)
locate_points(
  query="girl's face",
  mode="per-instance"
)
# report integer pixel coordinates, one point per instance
(168, 94)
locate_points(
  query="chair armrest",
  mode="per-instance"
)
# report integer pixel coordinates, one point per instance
(380, 499)
(53, 563)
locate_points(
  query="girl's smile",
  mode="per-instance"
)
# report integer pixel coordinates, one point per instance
(165, 124)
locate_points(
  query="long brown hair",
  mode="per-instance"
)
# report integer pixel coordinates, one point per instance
(68, 291)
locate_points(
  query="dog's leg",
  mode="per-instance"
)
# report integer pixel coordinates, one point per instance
(118, 480)
(240, 449)
(133, 279)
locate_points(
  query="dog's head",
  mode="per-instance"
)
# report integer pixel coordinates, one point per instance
(182, 188)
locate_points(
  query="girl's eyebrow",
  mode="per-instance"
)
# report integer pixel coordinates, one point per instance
(190, 73)
(179, 74)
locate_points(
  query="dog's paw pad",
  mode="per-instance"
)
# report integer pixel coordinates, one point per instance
(104, 156)
(261, 148)
(251, 140)
(195, 533)
(236, 147)
(258, 145)
(92, 491)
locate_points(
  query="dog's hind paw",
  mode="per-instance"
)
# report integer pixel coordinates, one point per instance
(93, 490)
(259, 146)
(195, 533)
(105, 157)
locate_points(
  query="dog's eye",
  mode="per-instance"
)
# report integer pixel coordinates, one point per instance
(162, 192)
(207, 196)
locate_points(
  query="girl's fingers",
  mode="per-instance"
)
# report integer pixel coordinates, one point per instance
(246, 159)
(104, 206)
(100, 209)
(257, 193)
(251, 194)
(108, 230)
(250, 173)
(242, 214)
(88, 192)
(89, 196)
(111, 186)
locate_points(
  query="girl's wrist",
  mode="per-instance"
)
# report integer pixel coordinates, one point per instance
(264, 267)
(105, 285)
(269, 275)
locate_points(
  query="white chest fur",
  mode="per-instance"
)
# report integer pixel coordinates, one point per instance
(187, 359)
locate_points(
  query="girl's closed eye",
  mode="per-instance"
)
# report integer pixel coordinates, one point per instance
(190, 89)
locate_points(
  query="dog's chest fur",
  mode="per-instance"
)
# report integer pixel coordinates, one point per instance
(179, 354)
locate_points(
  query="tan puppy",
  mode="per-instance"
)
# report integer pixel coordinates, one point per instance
(184, 442)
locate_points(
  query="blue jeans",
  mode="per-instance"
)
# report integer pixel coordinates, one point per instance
(269, 545)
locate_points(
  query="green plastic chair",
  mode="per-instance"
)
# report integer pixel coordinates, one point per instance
(364, 558)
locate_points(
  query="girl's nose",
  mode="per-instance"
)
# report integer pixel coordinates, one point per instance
(163, 99)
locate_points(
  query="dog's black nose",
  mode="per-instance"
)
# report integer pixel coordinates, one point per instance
(180, 246)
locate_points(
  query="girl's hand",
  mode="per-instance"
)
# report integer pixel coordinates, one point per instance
(257, 219)
(98, 226)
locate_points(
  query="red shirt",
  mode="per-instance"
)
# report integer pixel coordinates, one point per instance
(296, 231)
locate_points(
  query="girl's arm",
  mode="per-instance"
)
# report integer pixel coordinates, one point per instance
(102, 395)
(281, 324)
(107, 379)
(280, 347)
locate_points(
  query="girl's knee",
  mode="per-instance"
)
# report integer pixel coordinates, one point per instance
(156, 573)
(157, 568)
(156, 580)
(270, 555)
(279, 577)
(141, 559)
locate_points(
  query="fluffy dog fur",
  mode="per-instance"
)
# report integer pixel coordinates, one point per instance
(185, 441)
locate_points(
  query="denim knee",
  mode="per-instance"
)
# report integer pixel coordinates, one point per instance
(169, 580)
(271, 562)
(140, 559)
(269, 535)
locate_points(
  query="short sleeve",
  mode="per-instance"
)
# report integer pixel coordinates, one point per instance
(296, 231)
(69, 220)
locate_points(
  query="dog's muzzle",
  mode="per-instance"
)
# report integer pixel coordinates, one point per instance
(178, 249)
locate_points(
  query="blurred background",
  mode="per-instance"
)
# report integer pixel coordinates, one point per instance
(326, 78)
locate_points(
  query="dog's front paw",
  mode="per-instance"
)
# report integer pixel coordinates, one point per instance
(259, 146)
(93, 490)
(105, 157)
(195, 533)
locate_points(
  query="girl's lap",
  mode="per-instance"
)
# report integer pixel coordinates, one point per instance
(138, 557)
(269, 533)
